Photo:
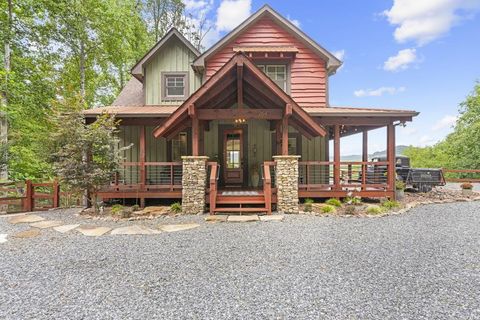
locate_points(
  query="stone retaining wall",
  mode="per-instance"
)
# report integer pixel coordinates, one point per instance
(287, 183)
(194, 179)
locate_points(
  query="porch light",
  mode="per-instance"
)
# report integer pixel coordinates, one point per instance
(240, 120)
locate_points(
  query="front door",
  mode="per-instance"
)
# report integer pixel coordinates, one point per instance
(233, 156)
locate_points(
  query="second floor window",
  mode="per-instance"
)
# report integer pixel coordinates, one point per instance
(276, 72)
(175, 86)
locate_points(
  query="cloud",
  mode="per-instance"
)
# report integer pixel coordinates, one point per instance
(401, 61)
(295, 22)
(447, 121)
(408, 131)
(339, 54)
(378, 92)
(423, 21)
(195, 4)
(231, 13)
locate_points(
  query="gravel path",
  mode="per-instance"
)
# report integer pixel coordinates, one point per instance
(420, 265)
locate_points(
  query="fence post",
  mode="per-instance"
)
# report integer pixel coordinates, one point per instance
(28, 200)
(56, 194)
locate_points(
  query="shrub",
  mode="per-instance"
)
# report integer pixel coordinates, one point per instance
(350, 209)
(389, 204)
(466, 185)
(176, 207)
(399, 185)
(328, 209)
(135, 207)
(374, 209)
(307, 204)
(334, 202)
(353, 200)
(116, 209)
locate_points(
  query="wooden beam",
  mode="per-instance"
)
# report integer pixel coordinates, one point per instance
(300, 128)
(240, 85)
(365, 146)
(142, 156)
(278, 137)
(195, 137)
(288, 110)
(359, 121)
(191, 110)
(336, 158)
(391, 157)
(285, 136)
(230, 114)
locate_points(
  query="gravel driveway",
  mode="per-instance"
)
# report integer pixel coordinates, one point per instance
(424, 264)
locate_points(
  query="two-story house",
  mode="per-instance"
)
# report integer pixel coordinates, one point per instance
(245, 125)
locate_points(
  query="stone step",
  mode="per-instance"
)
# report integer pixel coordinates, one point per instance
(240, 209)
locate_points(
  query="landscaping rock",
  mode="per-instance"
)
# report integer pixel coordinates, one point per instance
(216, 218)
(93, 231)
(28, 218)
(3, 237)
(178, 227)
(66, 228)
(135, 229)
(30, 233)
(153, 210)
(46, 224)
(272, 218)
(249, 218)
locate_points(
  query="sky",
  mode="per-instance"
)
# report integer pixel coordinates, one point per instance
(418, 55)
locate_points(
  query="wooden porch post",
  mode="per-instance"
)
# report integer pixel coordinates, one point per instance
(285, 136)
(364, 158)
(391, 159)
(195, 130)
(336, 157)
(278, 137)
(143, 173)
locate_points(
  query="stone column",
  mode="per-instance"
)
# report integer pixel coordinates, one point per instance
(286, 179)
(194, 180)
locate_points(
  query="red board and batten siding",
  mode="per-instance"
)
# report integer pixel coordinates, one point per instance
(307, 71)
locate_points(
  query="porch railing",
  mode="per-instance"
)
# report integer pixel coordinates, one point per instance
(148, 176)
(213, 171)
(321, 175)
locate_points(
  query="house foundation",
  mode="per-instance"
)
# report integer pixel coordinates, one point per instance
(194, 177)
(286, 177)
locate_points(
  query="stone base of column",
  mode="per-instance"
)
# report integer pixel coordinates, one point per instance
(194, 177)
(286, 180)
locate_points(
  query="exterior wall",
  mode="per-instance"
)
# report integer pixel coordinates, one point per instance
(308, 70)
(174, 57)
(314, 149)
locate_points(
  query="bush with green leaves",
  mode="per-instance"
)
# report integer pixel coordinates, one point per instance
(307, 204)
(334, 202)
(135, 207)
(176, 207)
(390, 204)
(399, 185)
(353, 200)
(116, 209)
(328, 209)
(374, 209)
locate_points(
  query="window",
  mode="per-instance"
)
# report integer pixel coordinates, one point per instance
(233, 151)
(179, 146)
(276, 72)
(175, 86)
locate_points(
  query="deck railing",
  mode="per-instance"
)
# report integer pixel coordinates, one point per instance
(462, 175)
(213, 174)
(322, 175)
(148, 176)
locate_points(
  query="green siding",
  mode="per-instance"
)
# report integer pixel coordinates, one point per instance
(174, 57)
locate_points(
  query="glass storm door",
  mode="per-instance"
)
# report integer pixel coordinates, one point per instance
(233, 157)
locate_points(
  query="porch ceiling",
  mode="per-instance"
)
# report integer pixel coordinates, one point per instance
(240, 90)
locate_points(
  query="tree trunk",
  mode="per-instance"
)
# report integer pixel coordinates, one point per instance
(82, 70)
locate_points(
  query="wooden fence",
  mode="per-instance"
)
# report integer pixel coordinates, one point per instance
(462, 175)
(27, 196)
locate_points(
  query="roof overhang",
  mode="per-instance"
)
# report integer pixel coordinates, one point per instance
(332, 62)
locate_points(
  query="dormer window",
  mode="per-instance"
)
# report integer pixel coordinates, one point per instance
(175, 86)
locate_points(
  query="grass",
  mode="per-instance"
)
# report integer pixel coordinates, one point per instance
(389, 204)
(176, 207)
(334, 202)
(374, 209)
(328, 209)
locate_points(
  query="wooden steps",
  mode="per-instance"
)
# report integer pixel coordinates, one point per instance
(241, 210)
(242, 203)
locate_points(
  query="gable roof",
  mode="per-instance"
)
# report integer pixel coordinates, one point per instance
(300, 119)
(333, 63)
(137, 70)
